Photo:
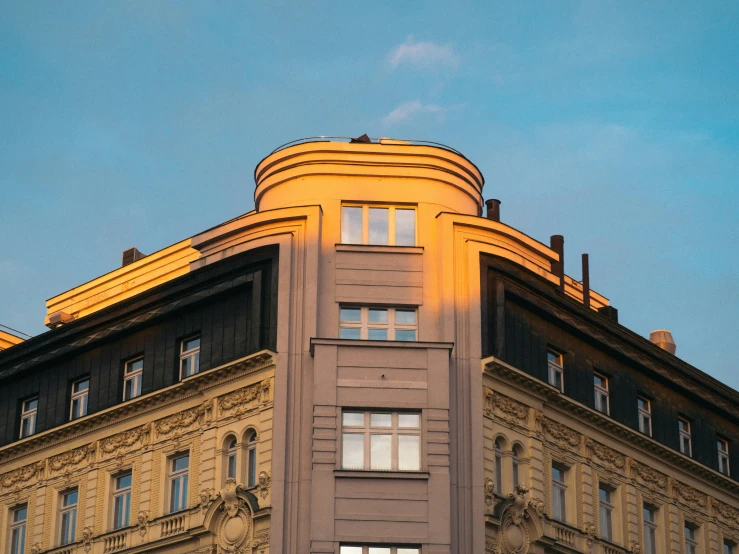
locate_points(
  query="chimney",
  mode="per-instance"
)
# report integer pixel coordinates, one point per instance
(131, 255)
(57, 319)
(558, 268)
(493, 206)
(664, 340)
(609, 312)
(586, 280)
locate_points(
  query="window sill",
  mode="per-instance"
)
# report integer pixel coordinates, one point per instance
(379, 248)
(365, 474)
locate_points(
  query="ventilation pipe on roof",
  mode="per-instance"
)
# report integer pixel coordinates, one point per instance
(558, 268)
(586, 280)
(493, 206)
(664, 340)
(131, 255)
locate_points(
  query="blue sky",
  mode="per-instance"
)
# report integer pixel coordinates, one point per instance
(615, 124)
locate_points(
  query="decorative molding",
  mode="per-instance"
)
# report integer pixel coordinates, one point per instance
(20, 477)
(537, 504)
(238, 400)
(489, 491)
(36, 548)
(728, 513)
(265, 481)
(67, 461)
(650, 478)
(513, 534)
(561, 435)
(634, 547)
(207, 496)
(606, 455)
(229, 495)
(184, 420)
(142, 522)
(590, 532)
(511, 411)
(87, 538)
(491, 546)
(122, 443)
(688, 495)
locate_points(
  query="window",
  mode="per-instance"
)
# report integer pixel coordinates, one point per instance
(378, 323)
(231, 458)
(378, 550)
(650, 529)
(723, 455)
(644, 407)
(68, 517)
(189, 357)
(559, 493)
(605, 513)
(498, 467)
(691, 541)
(122, 500)
(388, 225)
(29, 409)
(600, 387)
(517, 451)
(251, 458)
(381, 441)
(556, 369)
(78, 404)
(178, 468)
(132, 375)
(18, 517)
(728, 547)
(683, 426)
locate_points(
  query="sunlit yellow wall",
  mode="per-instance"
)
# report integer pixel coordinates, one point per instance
(7, 340)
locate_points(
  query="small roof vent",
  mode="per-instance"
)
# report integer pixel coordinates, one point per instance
(57, 319)
(664, 340)
(131, 255)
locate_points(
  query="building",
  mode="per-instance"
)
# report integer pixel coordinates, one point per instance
(364, 364)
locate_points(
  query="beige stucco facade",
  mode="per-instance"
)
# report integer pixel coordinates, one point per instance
(306, 501)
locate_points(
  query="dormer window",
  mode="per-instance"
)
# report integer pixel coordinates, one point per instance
(378, 225)
(555, 362)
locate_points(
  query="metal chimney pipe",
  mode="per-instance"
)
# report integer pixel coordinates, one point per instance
(663, 339)
(558, 268)
(586, 280)
(493, 206)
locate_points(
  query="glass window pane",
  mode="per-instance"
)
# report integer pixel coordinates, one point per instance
(70, 498)
(405, 317)
(190, 344)
(351, 225)
(407, 551)
(180, 463)
(351, 550)
(20, 514)
(353, 419)
(252, 477)
(351, 314)
(32, 404)
(378, 225)
(381, 420)
(134, 366)
(377, 316)
(405, 227)
(350, 333)
(378, 550)
(409, 452)
(377, 334)
(380, 457)
(124, 481)
(352, 451)
(405, 335)
(82, 385)
(409, 421)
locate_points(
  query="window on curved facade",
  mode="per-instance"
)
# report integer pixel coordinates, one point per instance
(382, 225)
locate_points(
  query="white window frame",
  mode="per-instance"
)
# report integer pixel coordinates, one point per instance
(29, 414)
(68, 512)
(685, 434)
(691, 540)
(650, 529)
(559, 492)
(498, 448)
(645, 416)
(135, 375)
(601, 393)
(555, 367)
(252, 438)
(392, 231)
(81, 396)
(124, 495)
(378, 549)
(391, 326)
(181, 475)
(605, 513)
(191, 354)
(18, 530)
(395, 431)
(722, 445)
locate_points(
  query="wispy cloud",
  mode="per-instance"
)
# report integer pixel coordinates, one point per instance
(408, 110)
(423, 54)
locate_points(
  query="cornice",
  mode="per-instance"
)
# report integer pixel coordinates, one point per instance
(605, 424)
(380, 344)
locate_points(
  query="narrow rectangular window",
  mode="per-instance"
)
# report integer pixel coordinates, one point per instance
(722, 446)
(231, 454)
(555, 363)
(498, 467)
(351, 224)
(122, 500)
(600, 387)
(728, 547)
(559, 493)
(516, 465)
(379, 222)
(178, 479)
(683, 426)
(650, 529)
(189, 357)
(691, 541)
(381, 441)
(78, 402)
(369, 323)
(378, 225)
(606, 514)
(644, 408)
(345, 549)
(29, 411)
(18, 517)
(68, 517)
(132, 377)
(251, 459)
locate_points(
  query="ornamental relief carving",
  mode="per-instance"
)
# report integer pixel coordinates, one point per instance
(68, 461)
(688, 495)
(238, 401)
(265, 481)
(606, 456)
(489, 492)
(726, 512)
(509, 410)
(650, 478)
(127, 441)
(184, 420)
(23, 476)
(559, 434)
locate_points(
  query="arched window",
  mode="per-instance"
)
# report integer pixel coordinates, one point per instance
(251, 458)
(498, 466)
(231, 458)
(517, 455)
